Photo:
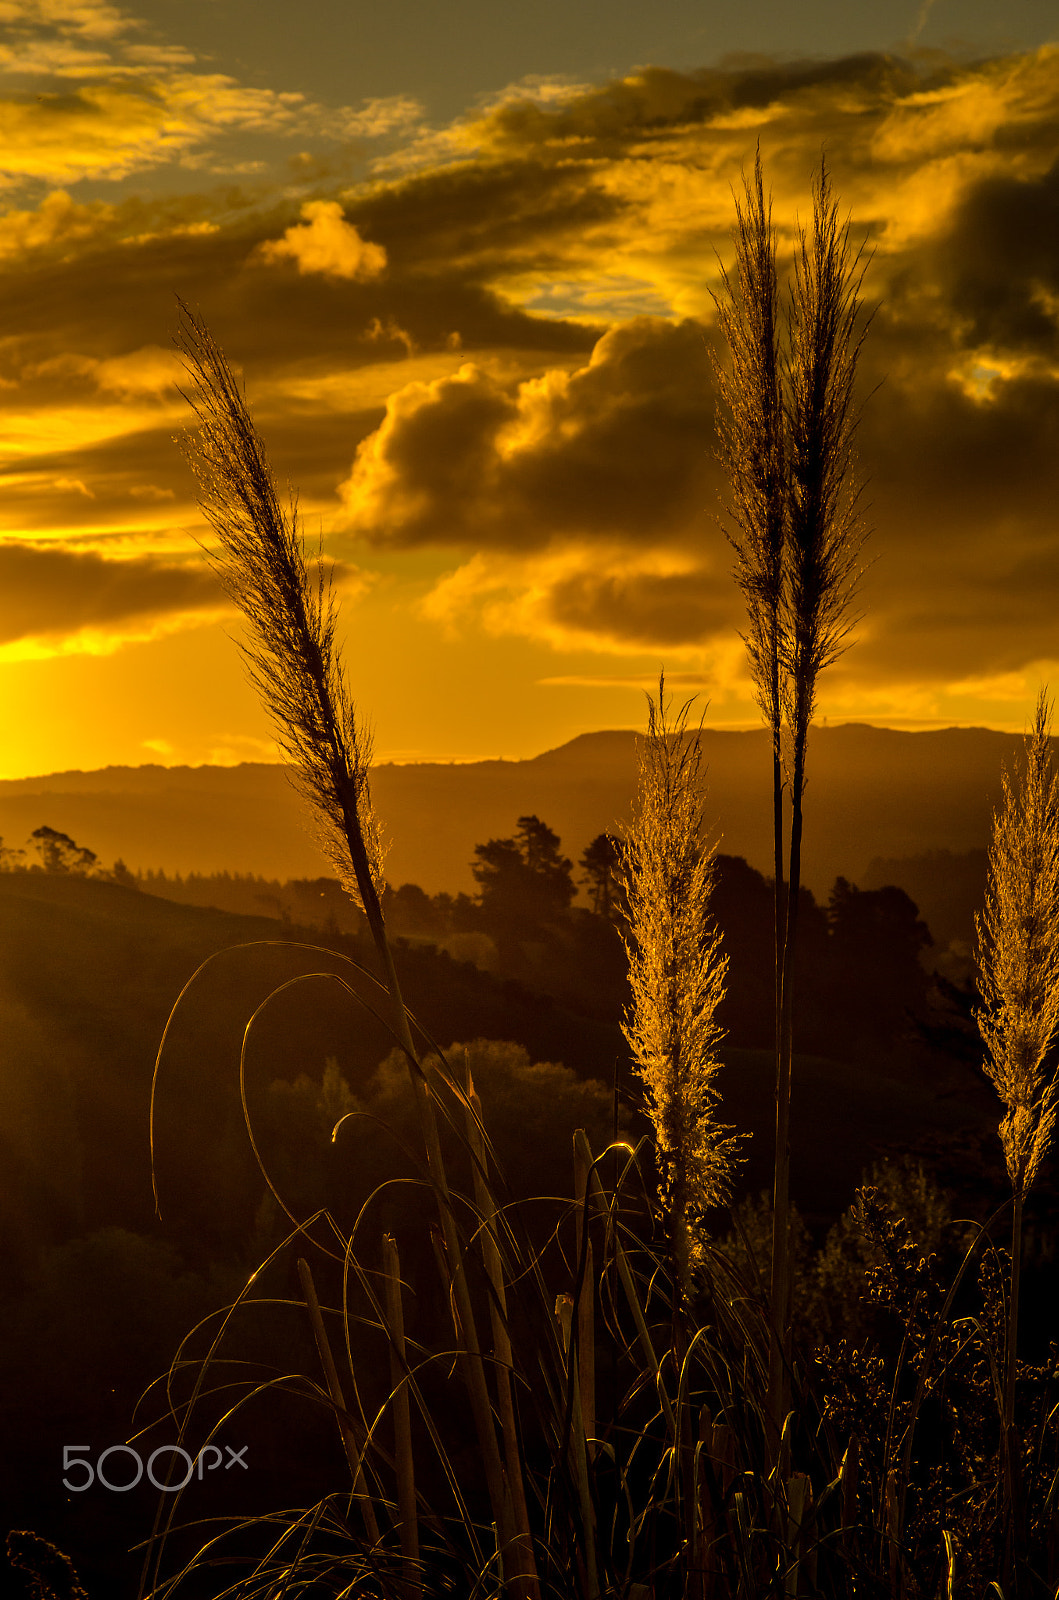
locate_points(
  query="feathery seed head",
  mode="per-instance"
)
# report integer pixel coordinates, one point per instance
(677, 978)
(786, 426)
(290, 651)
(750, 433)
(1018, 955)
(824, 536)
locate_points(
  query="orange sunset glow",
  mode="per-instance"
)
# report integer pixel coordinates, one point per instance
(529, 800)
(478, 345)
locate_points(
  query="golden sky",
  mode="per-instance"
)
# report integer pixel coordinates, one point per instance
(475, 327)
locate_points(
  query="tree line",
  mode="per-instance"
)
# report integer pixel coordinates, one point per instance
(863, 979)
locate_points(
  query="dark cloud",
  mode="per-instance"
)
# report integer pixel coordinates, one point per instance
(47, 593)
(998, 265)
(646, 609)
(648, 104)
(619, 449)
(105, 484)
(491, 220)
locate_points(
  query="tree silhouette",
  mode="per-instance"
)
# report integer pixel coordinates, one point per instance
(59, 853)
(523, 883)
(525, 886)
(600, 863)
(876, 977)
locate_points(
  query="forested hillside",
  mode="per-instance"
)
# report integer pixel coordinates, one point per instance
(875, 792)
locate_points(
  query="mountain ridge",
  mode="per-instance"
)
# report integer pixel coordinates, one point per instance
(872, 793)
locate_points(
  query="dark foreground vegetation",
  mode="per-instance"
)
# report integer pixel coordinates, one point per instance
(490, 1325)
(98, 1292)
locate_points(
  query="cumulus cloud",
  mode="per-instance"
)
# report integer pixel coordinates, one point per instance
(58, 221)
(997, 266)
(951, 172)
(614, 449)
(609, 599)
(325, 242)
(633, 178)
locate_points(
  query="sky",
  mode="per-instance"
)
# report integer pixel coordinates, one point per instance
(462, 257)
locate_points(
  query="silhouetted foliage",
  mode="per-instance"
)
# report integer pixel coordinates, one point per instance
(96, 966)
(524, 884)
(948, 887)
(10, 859)
(59, 853)
(876, 981)
(600, 863)
(48, 1574)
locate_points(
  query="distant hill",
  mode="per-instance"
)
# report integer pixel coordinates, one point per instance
(873, 793)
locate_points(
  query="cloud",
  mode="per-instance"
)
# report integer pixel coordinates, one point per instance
(107, 103)
(326, 243)
(59, 597)
(609, 463)
(378, 117)
(58, 221)
(86, 19)
(632, 179)
(613, 600)
(997, 266)
(612, 450)
(523, 397)
(148, 371)
(110, 127)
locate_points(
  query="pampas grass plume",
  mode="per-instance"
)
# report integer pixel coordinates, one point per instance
(677, 979)
(290, 650)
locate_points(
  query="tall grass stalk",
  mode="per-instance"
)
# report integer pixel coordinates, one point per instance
(404, 1454)
(1018, 978)
(786, 431)
(294, 663)
(677, 980)
(824, 539)
(753, 449)
(354, 1447)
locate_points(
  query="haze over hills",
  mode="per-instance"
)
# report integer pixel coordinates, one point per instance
(872, 793)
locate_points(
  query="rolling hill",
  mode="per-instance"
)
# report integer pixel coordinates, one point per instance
(872, 793)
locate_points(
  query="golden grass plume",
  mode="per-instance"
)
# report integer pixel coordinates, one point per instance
(290, 650)
(677, 978)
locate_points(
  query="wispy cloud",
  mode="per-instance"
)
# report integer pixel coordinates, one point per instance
(110, 101)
